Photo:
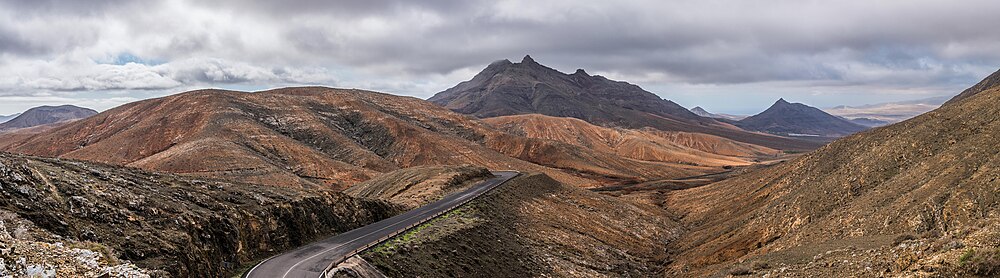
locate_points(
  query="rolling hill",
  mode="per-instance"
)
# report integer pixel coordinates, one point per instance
(314, 136)
(505, 88)
(650, 145)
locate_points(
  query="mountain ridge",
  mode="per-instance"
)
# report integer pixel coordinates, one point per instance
(504, 88)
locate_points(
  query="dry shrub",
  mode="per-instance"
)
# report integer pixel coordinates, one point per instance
(740, 271)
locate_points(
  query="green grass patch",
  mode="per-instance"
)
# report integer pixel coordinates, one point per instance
(412, 236)
(964, 259)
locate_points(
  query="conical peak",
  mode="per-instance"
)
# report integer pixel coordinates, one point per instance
(527, 60)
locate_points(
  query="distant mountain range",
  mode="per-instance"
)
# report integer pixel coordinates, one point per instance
(44, 115)
(869, 122)
(506, 88)
(886, 113)
(796, 119)
(4, 119)
(697, 110)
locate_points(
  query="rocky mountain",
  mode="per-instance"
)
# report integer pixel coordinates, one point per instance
(697, 110)
(4, 119)
(167, 225)
(319, 137)
(889, 112)
(796, 119)
(918, 197)
(44, 115)
(506, 88)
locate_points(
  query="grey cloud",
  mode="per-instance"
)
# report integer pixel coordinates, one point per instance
(843, 43)
(12, 42)
(76, 7)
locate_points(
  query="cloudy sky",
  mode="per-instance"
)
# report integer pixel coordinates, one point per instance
(728, 56)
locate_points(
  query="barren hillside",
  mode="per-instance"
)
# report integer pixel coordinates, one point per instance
(933, 176)
(315, 136)
(416, 186)
(515, 231)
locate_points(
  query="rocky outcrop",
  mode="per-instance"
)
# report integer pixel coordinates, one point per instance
(174, 225)
(355, 267)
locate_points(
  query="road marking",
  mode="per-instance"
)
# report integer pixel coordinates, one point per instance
(345, 243)
(465, 194)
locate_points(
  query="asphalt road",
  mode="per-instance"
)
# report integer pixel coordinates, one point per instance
(313, 259)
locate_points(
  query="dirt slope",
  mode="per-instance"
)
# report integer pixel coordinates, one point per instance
(515, 231)
(936, 174)
(648, 144)
(416, 186)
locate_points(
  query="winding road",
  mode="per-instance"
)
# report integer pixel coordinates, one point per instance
(313, 260)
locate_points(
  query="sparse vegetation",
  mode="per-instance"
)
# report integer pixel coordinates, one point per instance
(740, 271)
(903, 238)
(966, 256)
(760, 265)
(984, 263)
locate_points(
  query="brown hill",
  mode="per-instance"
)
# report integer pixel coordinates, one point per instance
(317, 136)
(13, 136)
(44, 115)
(506, 88)
(935, 175)
(648, 145)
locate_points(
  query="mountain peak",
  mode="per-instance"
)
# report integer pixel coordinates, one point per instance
(501, 62)
(581, 72)
(527, 60)
(786, 118)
